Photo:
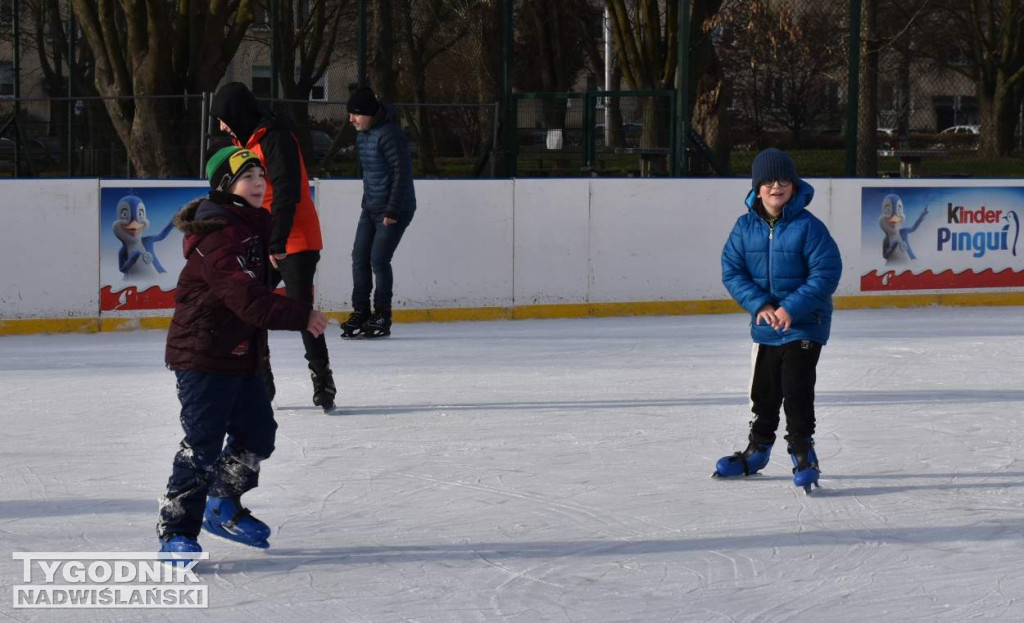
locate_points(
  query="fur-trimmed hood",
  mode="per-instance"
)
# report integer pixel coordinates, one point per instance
(205, 215)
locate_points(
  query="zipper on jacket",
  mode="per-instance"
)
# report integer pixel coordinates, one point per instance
(771, 243)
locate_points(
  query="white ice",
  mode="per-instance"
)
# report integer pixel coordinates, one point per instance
(554, 470)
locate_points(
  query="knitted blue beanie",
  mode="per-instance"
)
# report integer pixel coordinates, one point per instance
(772, 164)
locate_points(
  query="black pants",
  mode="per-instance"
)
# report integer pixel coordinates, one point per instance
(372, 251)
(215, 407)
(784, 377)
(297, 271)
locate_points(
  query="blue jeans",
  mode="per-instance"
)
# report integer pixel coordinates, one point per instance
(215, 406)
(371, 259)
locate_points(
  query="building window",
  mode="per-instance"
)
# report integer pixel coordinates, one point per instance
(319, 91)
(6, 79)
(261, 81)
(261, 17)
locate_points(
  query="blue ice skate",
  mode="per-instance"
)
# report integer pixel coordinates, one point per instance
(228, 519)
(805, 464)
(750, 461)
(179, 544)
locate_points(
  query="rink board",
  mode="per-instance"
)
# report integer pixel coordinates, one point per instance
(489, 249)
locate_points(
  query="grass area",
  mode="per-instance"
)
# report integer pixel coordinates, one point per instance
(569, 163)
(832, 163)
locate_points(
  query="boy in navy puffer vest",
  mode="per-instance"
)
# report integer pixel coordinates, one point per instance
(781, 264)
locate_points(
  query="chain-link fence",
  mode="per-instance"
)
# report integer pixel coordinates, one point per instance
(492, 89)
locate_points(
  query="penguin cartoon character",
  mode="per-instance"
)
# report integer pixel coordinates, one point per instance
(896, 245)
(136, 258)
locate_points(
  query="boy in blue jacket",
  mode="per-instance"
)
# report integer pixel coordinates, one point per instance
(781, 264)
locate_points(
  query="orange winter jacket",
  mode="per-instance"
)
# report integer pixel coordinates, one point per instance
(288, 198)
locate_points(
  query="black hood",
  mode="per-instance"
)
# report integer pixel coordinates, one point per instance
(235, 105)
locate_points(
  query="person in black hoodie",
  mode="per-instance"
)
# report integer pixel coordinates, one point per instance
(389, 203)
(295, 241)
(215, 345)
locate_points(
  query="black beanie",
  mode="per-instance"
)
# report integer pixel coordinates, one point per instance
(772, 164)
(363, 102)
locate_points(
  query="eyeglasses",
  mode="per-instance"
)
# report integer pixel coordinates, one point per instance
(781, 183)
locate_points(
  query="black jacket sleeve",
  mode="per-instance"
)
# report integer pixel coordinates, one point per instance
(284, 172)
(395, 150)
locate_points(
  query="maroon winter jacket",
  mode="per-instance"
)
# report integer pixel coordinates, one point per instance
(222, 307)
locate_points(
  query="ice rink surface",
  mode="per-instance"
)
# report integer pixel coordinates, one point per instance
(554, 470)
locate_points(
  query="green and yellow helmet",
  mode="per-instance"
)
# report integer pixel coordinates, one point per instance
(228, 164)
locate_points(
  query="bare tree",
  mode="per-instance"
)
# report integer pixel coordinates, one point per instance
(552, 45)
(427, 29)
(153, 48)
(308, 34)
(646, 38)
(787, 59)
(987, 40)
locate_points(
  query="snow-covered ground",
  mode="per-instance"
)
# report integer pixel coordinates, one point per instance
(554, 470)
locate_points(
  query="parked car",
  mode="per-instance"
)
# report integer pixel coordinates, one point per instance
(962, 130)
(320, 143)
(959, 137)
(39, 153)
(887, 138)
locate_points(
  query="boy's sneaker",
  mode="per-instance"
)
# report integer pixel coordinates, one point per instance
(379, 324)
(179, 544)
(228, 519)
(353, 327)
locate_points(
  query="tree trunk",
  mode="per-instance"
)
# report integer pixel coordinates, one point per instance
(384, 51)
(998, 121)
(427, 149)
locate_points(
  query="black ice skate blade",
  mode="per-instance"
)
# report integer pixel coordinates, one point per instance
(262, 546)
(717, 476)
(808, 488)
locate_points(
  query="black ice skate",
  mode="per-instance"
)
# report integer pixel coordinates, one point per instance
(379, 324)
(323, 386)
(353, 327)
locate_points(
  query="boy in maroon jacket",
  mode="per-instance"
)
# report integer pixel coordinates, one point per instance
(215, 345)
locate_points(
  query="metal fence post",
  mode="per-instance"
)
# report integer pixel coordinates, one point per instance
(853, 89)
(204, 129)
(17, 89)
(71, 104)
(361, 78)
(680, 162)
(511, 121)
(274, 54)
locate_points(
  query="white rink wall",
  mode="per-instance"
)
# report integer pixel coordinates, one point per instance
(49, 246)
(474, 244)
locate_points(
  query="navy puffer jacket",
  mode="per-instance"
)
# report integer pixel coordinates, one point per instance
(387, 168)
(795, 265)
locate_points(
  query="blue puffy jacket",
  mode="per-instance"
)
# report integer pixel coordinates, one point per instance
(795, 265)
(387, 168)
